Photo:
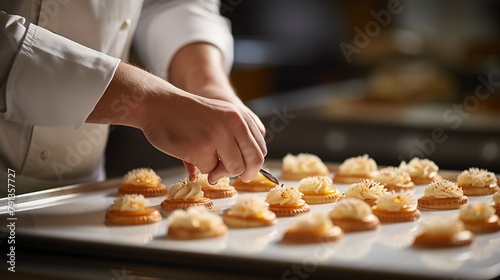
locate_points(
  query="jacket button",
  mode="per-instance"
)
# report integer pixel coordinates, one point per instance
(126, 24)
(44, 155)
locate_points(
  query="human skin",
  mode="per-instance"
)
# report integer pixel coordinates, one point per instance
(205, 125)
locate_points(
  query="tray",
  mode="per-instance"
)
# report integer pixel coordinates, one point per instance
(70, 219)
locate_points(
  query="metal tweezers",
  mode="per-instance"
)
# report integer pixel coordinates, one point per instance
(269, 176)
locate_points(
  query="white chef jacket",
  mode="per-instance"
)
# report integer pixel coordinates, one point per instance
(57, 58)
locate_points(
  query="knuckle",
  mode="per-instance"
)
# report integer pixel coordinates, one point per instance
(235, 168)
(234, 118)
(256, 160)
(206, 165)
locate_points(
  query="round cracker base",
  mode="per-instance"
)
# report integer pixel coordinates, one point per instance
(146, 191)
(462, 238)
(180, 233)
(387, 217)
(214, 193)
(150, 218)
(321, 198)
(370, 222)
(449, 203)
(283, 211)
(242, 222)
(297, 236)
(170, 205)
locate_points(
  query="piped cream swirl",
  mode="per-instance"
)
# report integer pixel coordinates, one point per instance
(392, 175)
(315, 184)
(129, 202)
(142, 176)
(304, 162)
(365, 189)
(251, 206)
(392, 201)
(443, 189)
(360, 165)
(185, 190)
(195, 217)
(476, 211)
(437, 226)
(202, 179)
(420, 168)
(284, 196)
(476, 177)
(353, 208)
(316, 222)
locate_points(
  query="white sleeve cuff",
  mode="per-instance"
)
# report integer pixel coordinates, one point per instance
(10, 41)
(165, 27)
(54, 81)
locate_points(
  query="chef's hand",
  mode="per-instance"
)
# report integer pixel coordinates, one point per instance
(258, 132)
(217, 137)
(212, 135)
(208, 79)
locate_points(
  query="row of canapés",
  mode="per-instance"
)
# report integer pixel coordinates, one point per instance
(185, 204)
(474, 181)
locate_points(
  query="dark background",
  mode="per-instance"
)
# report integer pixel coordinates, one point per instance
(421, 61)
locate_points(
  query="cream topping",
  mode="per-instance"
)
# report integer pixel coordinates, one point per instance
(195, 217)
(260, 180)
(360, 165)
(251, 206)
(439, 226)
(496, 197)
(393, 201)
(476, 177)
(304, 162)
(284, 196)
(316, 221)
(185, 190)
(202, 179)
(315, 184)
(420, 168)
(365, 189)
(392, 175)
(353, 208)
(142, 176)
(443, 189)
(129, 202)
(476, 211)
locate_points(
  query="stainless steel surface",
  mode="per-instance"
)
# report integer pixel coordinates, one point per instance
(69, 222)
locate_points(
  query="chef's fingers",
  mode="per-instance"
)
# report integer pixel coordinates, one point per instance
(252, 156)
(206, 160)
(258, 122)
(230, 164)
(218, 173)
(253, 126)
(191, 170)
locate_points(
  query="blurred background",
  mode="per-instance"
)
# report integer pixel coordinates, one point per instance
(391, 79)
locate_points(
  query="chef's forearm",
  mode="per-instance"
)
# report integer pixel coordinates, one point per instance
(125, 100)
(199, 68)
